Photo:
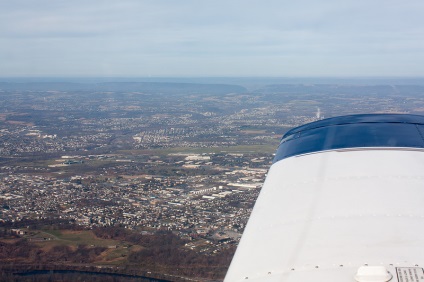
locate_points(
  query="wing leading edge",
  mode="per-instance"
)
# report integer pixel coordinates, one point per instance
(343, 201)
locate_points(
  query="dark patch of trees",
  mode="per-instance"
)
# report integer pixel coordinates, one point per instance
(22, 250)
(163, 252)
(159, 239)
(171, 259)
(82, 254)
(111, 232)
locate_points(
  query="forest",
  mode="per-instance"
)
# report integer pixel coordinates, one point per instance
(159, 255)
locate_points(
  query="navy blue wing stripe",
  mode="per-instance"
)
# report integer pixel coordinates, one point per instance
(379, 130)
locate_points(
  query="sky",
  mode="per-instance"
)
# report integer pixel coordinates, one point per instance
(279, 38)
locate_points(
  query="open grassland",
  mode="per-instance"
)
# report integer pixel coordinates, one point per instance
(84, 237)
(241, 149)
(115, 253)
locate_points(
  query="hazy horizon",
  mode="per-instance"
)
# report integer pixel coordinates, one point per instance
(244, 81)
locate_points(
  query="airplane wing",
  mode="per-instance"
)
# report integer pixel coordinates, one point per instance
(343, 201)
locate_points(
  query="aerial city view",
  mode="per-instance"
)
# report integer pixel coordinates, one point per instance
(107, 173)
(135, 136)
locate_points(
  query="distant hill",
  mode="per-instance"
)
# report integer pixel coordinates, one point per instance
(334, 89)
(162, 87)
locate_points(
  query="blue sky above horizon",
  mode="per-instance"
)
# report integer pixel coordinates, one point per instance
(212, 38)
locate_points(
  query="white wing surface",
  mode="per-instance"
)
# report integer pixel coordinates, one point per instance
(343, 201)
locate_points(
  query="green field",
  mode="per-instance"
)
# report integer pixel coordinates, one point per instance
(246, 149)
(79, 238)
(115, 253)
